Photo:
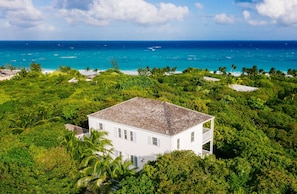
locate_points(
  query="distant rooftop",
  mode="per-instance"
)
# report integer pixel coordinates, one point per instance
(242, 88)
(7, 72)
(76, 129)
(211, 79)
(153, 115)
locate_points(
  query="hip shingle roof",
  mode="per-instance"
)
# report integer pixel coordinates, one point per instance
(153, 115)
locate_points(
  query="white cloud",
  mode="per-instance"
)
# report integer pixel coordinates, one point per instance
(13, 4)
(247, 16)
(21, 14)
(199, 5)
(224, 19)
(45, 27)
(281, 11)
(101, 12)
(6, 24)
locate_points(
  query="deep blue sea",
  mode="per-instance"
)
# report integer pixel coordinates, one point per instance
(131, 55)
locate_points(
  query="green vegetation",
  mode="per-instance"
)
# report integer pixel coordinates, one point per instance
(255, 133)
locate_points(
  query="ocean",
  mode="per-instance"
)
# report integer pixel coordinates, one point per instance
(131, 55)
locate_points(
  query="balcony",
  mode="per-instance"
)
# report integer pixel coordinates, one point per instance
(205, 153)
(207, 135)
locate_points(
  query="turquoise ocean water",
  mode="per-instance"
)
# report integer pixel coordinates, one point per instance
(131, 55)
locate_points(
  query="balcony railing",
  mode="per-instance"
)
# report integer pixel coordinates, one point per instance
(205, 153)
(207, 135)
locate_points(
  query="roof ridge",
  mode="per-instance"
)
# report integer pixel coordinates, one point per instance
(167, 119)
(188, 109)
(153, 115)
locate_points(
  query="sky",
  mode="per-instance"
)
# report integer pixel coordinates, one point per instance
(148, 20)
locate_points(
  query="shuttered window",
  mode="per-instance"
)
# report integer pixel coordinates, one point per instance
(155, 141)
(125, 134)
(132, 136)
(119, 132)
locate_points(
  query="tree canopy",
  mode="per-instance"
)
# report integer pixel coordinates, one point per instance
(255, 132)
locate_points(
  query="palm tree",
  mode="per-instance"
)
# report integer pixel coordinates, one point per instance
(223, 70)
(173, 70)
(244, 70)
(96, 70)
(233, 67)
(99, 170)
(166, 69)
(140, 71)
(292, 72)
(272, 71)
(95, 173)
(254, 70)
(22, 73)
(35, 67)
(121, 169)
(261, 71)
(280, 73)
(97, 142)
(73, 145)
(115, 64)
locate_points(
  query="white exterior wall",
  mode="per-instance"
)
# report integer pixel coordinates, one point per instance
(185, 139)
(142, 147)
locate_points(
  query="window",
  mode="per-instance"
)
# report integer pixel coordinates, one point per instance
(120, 132)
(117, 153)
(155, 141)
(131, 136)
(125, 134)
(134, 160)
(100, 126)
(192, 136)
(178, 144)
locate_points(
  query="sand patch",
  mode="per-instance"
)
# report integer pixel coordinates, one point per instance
(211, 79)
(242, 88)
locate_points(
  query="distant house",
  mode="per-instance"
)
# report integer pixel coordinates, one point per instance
(79, 131)
(6, 74)
(90, 77)
(141, 128)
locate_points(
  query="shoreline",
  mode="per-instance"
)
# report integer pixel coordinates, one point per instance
(6, 74)
(86, 73)
(130, 72)
(131, 55)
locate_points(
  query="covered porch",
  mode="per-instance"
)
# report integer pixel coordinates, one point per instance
(207, 139)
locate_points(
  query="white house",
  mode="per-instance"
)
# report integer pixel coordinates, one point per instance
(141, 128)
